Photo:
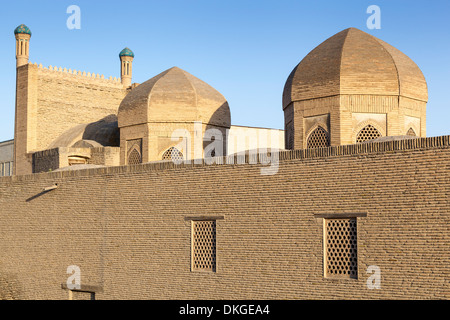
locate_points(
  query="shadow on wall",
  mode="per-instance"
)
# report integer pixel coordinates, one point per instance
(104, 132)
(9, 286)
(221, 120)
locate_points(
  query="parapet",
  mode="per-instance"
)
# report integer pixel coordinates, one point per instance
(60, 71)
(366, 149)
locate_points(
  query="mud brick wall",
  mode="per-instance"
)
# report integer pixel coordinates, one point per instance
(129, 228)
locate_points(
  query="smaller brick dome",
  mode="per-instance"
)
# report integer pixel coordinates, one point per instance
(174, 96)
(126, 53)
(22, 29)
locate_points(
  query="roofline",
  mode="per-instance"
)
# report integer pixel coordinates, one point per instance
(6, 141)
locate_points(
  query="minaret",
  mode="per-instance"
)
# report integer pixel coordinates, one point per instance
(23, 35)
(126, 66)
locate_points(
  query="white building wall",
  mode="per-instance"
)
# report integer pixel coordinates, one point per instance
(241, 139)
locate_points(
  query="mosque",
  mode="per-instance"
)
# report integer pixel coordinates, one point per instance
(99, 175)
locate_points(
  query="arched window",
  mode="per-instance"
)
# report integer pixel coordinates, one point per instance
(134, 157)
(319, 138)
(411, 132)
(367, 133)
(173, 154)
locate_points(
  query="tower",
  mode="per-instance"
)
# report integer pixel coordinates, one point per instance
(126, 66)
(23, 35)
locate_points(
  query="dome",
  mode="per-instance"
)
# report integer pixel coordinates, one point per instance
(353, 62)
(22, 29)
(102, 133)
(126, 53)
(174, 96)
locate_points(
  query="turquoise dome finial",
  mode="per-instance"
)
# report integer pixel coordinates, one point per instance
(126, 53)
(22, 29)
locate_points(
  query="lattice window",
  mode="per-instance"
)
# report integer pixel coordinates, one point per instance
(134, 157)
(368, 133)
(411, 132)
(204, 245)
(173, 154)
(340, 248)
(319, 138)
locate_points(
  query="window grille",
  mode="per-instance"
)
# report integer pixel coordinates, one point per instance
(134, 157)
(204, 246)
(319, 138)
(368, 133)
(340, 248)
(172, 154)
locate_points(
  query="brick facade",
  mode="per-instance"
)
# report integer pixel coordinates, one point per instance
(129, 228)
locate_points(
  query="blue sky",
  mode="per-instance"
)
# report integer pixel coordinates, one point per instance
(245, 49)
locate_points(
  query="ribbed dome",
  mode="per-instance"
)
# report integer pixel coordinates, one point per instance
(355, 62)
(22, 29)
(174, 96)
(126, 52)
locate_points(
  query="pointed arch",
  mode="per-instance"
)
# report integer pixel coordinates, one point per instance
(369, 132)
(134, 157)
(318, 138)
(173, 154)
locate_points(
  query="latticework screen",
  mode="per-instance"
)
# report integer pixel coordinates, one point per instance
(319, 138)
(340, 248)
(411, 132)
(173, 154)
(134, 151)
(368, 133)
(134, 157)
(204, 246)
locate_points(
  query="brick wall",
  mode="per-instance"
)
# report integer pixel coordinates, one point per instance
(78, 99)
(129, 228)
(51, 101)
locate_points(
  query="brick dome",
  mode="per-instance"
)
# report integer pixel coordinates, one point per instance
(174, 96)
(354, 62)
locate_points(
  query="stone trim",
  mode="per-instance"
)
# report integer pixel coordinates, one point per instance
(340, 215)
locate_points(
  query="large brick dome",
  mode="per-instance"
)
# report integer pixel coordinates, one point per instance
(174, 96)
(354, 62)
